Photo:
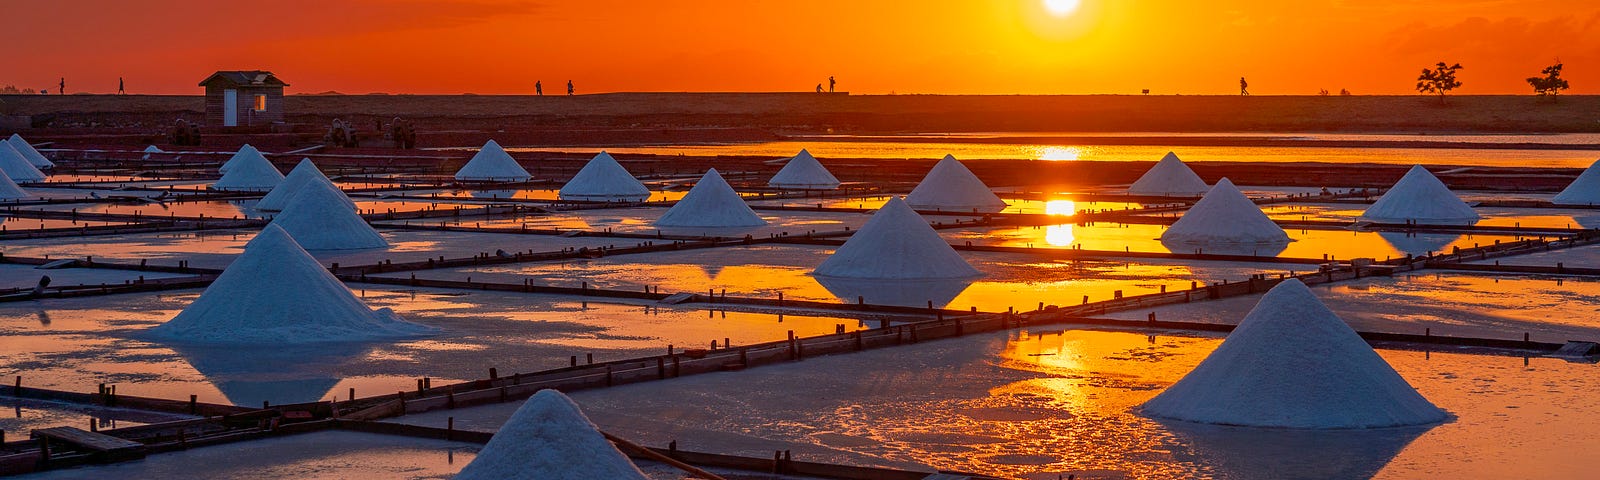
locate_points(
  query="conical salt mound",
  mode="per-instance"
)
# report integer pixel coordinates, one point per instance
(16, 166)
(1585, 190)
(951, 186)
(275, 293)
(1420, 197)
(1224, 215)
(1293, 363)
(296, 181)
(245, 154)
(549, 438)
(9, 189)
(492, 164)
(151, 149)
(603, 179)
(320, 217)
(249, 173)
(29, 153)
(711, 203)
(896, 243)
(804, 172)
(1171, 177)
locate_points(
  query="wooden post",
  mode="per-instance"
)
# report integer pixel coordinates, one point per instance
(493, 373)
(194, 407)
(449, 427)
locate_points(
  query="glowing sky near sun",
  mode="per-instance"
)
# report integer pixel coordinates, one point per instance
(930, 46)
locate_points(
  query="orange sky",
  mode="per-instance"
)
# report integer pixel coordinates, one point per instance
(926, 46)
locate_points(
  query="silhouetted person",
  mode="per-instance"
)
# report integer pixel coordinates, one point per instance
(120, 85)
(819, 88)
(538, 88)
(569, 88)
(830, 83)
(1244, 87)
(62, 86)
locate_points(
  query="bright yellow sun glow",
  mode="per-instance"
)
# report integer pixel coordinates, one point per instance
(1060, 8)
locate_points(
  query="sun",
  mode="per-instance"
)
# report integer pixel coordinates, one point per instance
(1060, 8)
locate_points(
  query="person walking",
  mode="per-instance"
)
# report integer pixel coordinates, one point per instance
(62, 86)
(120, 85)
(569, 88)
(1244, 87)
(538, 88)
(830, 83)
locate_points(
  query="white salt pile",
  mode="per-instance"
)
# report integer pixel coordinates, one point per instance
(151, 149)
(1585, 190)
(951, 186)
(16, 166)
(604, 180)
(29, 153)
(804, 172)
(275, 294)
(492, 164)
(1293, 363)
(295, 182)
(246, 153)
(1224, 216)
(711, 203)
(1169, 177)
(320, 217)
(248, 171)
(896, 243)
(1421, 198)
(9, 189)
(549, 438)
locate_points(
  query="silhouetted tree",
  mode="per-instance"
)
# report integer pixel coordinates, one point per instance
(1550, 84)
(1438, 80)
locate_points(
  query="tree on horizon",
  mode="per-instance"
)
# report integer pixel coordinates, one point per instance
(1439, 80)
(1550, 84)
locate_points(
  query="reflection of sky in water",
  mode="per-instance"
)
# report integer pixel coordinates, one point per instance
(1341, 244)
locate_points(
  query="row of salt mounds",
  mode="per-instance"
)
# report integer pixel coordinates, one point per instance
(1585, 190)
(29, 153)
(549, 438)
(296, 181)
(275, 293)
(951, 186)
(248, 171)
(804, 172)
(321, 217)
(896, 243)
(603, 179)
(1225, 216)
(16, 166)
(492, 164)
(1420, 197)
(1293, 363)
(711, 203)
(9, 189)
(1169, 177)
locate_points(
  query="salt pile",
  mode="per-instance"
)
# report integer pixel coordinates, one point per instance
(603, 179)
(1585, 190)
(248, 171)
(16, 166)
(276, 293)
(711, 203)
(1293, 363)
(1223, 216)
(246, 153)
(320, 217)
(492, 164)
(804, 172)
(1420, 197)
(151, 149)
(1170, 176)
(29, 153)
(951, 186)
(896, 243)
(549, 438)
(9, 189)
(296, 181)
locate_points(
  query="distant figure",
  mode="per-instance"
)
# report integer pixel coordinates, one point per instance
(1244, 87)
(569, 88)
(62, 86)
(830, 83)
(819, 88)
(538, 88)
(120, 85)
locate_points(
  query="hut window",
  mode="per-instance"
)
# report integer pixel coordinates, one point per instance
(261, 103)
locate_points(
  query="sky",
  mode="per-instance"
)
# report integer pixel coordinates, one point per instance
(872, 47)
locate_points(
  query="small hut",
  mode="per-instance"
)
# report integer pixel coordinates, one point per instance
(243, 98)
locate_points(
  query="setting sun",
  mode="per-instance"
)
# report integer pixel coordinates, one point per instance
(1060, 8)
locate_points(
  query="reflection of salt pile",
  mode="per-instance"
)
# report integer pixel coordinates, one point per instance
(549, 438)
(248, 171)
(1224, 216)
(296, 181)
(1170, 176)
(16, 166)
(280, 374)
(9, 189)
(245, 153)
(603, 179)
(711, 203)
(492, 164)
(277, 293)
(1419, 243)
(896, 243)
(1293, 363)
(900, 292)
(29, 153)
(321, 217)
(951, 186)
(1421, 197)
(804, 172)
(1585, 190)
